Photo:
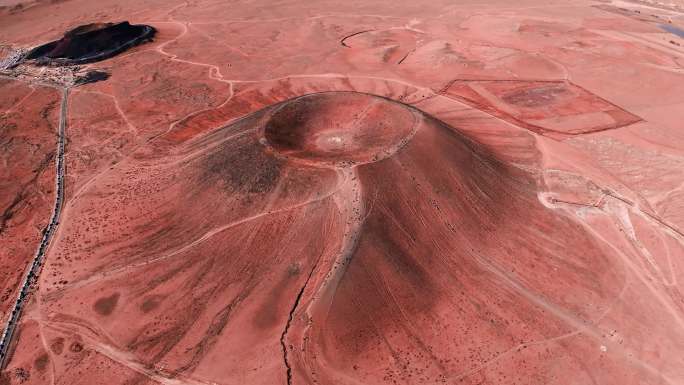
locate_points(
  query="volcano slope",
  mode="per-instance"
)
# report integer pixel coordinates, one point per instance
(332, 238)
(499, 201)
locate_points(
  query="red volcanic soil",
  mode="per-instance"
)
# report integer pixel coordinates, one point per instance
(339, 129)
(554, 108)
(28, 133)
(356, 193)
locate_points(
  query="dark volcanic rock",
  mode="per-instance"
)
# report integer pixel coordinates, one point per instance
(92, 77)
(91, 42)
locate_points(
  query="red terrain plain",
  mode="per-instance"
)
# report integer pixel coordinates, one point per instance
(354, 192)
